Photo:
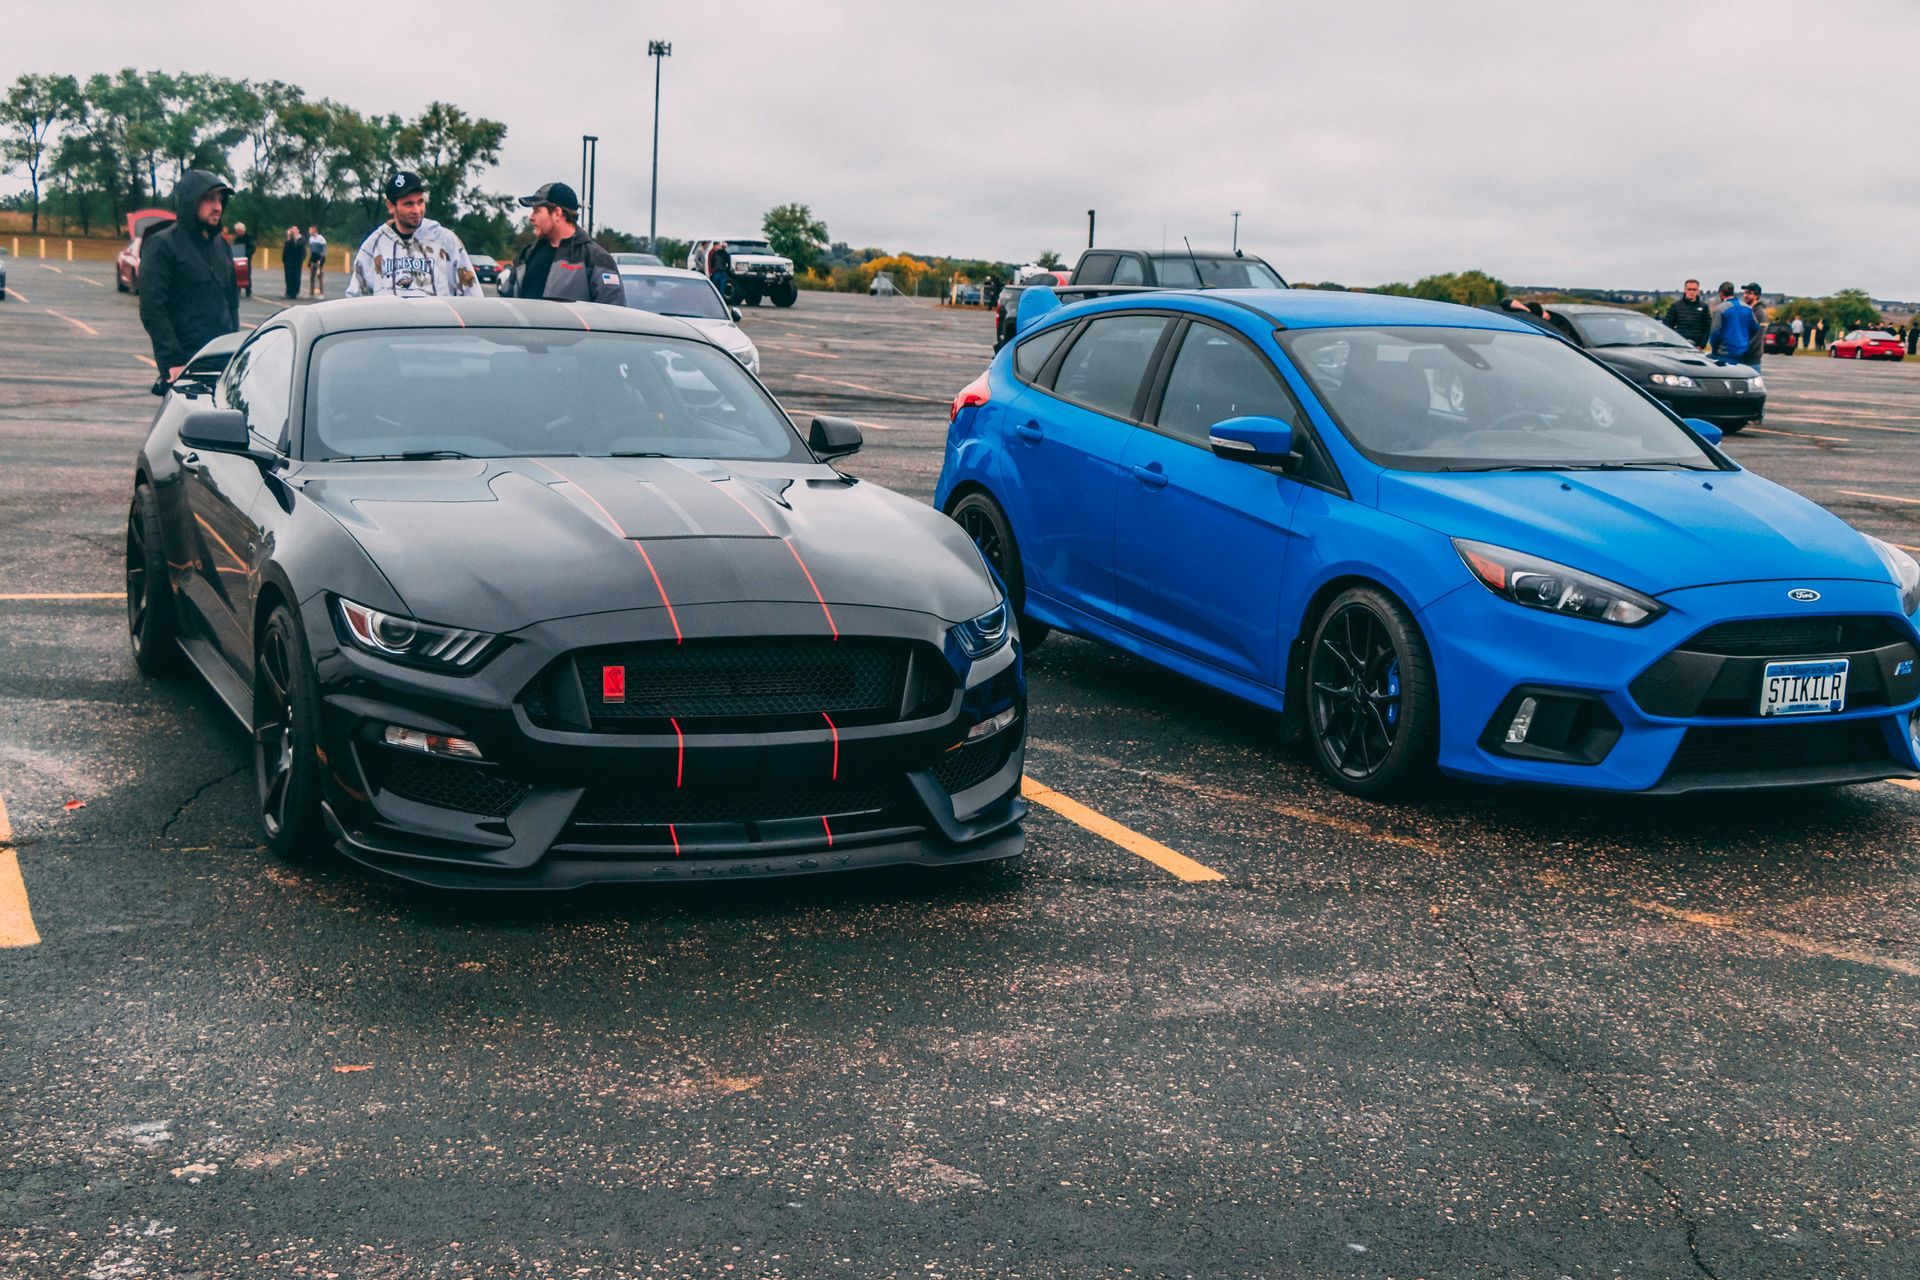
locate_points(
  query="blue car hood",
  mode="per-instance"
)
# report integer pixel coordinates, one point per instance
(1656, 531)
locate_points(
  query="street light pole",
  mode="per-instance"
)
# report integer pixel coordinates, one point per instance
(1236, 231)
(589, 173)
(1089, 228)
(659, 51)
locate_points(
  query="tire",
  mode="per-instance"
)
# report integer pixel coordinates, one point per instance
(286, 732)
(983, 520)
(785, 294)
(153, 628)
(1372, 708)
(1732, 429)
(751, 298)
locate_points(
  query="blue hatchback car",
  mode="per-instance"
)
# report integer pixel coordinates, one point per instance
(1440, 538)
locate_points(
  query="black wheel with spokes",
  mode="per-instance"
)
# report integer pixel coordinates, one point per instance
(151, 624)
(1372, 711)
(987, 525)
(286, 768)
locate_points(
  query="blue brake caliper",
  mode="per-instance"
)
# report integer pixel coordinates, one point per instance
(1393, 691)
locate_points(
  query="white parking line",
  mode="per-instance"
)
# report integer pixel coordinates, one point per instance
(1879, 497)
(78, 324)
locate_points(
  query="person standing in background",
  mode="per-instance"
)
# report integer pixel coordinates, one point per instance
(1688, 316)
(293, 260)
(243, 245)
(317, 261)
(410, 255)
(720, 267)
(1799, 332)
(1750, 294)
(187, 292)
(1733, 328)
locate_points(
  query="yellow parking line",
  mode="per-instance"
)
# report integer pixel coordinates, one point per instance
(16, 917)
(147, 361)
(81, 325)
(876, 391)
(15, 293)
(1908, 783)
(1798, 435)
(1881, 497)
(1176, 864)
(90, 280)
(1852, 955)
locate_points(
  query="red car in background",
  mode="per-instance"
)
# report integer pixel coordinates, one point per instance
(141, 224)
(1869, 344)
(1779, 340)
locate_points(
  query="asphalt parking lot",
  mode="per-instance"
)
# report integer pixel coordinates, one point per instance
(1221, 1020)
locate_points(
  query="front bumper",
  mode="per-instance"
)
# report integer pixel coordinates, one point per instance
(1714, 401)
(1662, 723)
(564, 800)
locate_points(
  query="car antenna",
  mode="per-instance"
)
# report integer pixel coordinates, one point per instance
(1197, 278)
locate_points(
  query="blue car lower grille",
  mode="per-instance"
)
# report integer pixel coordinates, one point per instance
(1778, 748)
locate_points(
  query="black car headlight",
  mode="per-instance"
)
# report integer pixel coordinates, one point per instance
(980, 636)
(1904, 569)
(404, 639)
(1542, 584)
(1672, 380)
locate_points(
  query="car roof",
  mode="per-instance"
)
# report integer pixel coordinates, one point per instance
(1316, 309)
(649, 269)
(347, 315)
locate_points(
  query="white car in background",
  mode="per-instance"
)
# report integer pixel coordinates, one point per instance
(690, 296)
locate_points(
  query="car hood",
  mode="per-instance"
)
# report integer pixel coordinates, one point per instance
(724, 333)
(500, 544)
(1669, 360)
(1655, 531)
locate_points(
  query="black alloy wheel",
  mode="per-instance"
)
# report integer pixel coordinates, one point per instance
(983, 520)
(286, 749)
(152, 626)
(1372, 710)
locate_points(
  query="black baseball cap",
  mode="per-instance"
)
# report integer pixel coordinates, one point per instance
(402, 183)
(555, 193)
(1753, 288)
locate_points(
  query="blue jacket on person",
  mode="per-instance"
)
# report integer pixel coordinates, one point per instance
(1734, 336)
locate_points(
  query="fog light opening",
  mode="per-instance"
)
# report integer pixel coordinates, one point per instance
(1522, 720)
(431, 743)
(992, 725)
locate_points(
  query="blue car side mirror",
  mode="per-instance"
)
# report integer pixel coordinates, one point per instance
(1706, 430)
(1265, 442)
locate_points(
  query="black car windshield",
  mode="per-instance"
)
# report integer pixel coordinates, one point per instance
(1177, 270)
(501, 393)
(673, 296)
(1624, 329)
(1422, 399)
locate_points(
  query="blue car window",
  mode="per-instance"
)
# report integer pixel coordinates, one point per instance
(1104, 368)
(1030, 357)
(1215, 377)
(1439, 399)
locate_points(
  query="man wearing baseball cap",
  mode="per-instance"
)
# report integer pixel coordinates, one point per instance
(410, 255)
(564, 263)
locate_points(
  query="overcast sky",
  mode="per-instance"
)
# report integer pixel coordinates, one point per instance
(1628, 143)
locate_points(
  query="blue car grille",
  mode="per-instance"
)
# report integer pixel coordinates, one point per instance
(1719, 671)
(1748, 749)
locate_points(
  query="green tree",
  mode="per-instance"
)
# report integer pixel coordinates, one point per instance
(255, 109)
(1050, 260)
(1851, 309)
(449, 149)
(35, 107)
(795, 233)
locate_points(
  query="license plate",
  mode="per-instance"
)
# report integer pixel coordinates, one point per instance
(1804, 688)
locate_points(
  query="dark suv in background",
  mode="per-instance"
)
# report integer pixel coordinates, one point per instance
(1114, 269)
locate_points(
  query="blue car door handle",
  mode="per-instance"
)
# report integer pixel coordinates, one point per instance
(1030, 432)
(1152, 477)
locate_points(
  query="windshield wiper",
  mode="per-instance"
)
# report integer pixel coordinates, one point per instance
(411, 455)
(636, 453)
(1582, 466)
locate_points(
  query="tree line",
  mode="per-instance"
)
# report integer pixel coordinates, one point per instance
(93, 150)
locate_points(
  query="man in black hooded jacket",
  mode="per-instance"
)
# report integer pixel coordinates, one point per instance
(187, 291)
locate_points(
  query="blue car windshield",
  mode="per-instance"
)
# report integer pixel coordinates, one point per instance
(1434, 399)
(503, 393)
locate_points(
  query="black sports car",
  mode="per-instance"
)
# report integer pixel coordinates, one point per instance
(535, 595)
(1662, 363)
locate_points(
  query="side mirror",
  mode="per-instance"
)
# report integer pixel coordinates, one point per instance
(216, 430)
(1264, 442)
(834, 438)
(1706, 430)
(736, 314)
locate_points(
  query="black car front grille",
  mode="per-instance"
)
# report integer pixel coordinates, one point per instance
(855, 681)
(1795, 637)
(628, 806)
(445, 784)
(1725, 749)
(973, 764)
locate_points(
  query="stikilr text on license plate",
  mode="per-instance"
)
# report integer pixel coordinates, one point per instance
(1804, 688)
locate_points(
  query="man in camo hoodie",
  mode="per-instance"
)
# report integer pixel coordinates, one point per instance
(410, 255)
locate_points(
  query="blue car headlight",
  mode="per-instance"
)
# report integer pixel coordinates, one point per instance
(1542, 584)
(980, 636)
(1904, 569)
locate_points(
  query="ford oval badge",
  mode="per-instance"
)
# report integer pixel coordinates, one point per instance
(1805, 595)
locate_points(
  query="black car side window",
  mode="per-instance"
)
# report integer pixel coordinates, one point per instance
(1104, 368)
(1031, 356)
(1129, 271)
(261, 386)
(1215, 377)
(1095, 268)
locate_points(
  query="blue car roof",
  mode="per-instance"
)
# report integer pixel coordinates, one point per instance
(1318, 309)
